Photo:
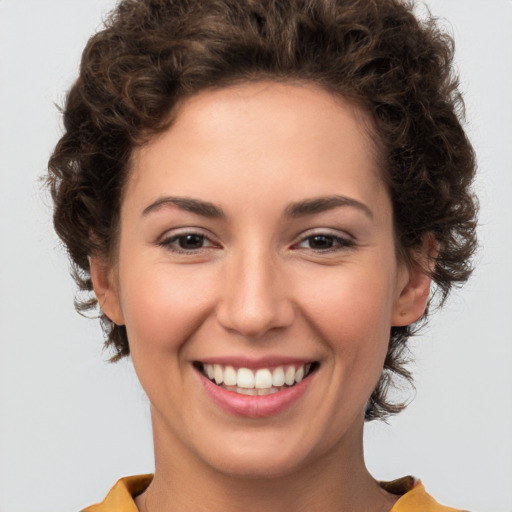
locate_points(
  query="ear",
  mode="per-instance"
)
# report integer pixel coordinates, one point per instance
(414, 283)
(106, 289)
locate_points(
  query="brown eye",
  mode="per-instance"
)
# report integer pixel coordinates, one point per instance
(323, 242)
(192, 241)
(187, 243)
(320, 242)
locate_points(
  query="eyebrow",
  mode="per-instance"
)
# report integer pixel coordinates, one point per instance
(297, 209)
(203, 208)
(322, 204)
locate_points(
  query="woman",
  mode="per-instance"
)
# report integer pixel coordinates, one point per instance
(259, 194)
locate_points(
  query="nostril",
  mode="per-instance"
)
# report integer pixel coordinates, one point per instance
(253, 320)
(254, 299)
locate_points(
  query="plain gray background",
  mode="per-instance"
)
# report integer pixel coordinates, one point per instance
(71, 424)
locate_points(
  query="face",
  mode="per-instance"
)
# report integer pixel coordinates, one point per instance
(257, 278)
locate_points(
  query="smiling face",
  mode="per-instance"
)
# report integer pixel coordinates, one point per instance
(257, 278)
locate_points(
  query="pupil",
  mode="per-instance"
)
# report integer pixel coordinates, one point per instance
(321, 242)
(191, 241)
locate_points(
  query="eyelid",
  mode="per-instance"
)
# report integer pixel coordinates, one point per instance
(344, 239)
(172, 235)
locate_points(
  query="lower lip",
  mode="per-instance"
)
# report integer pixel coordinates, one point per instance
(251, 406)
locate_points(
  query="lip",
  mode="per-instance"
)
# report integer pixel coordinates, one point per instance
(256, 363)
(255, 406)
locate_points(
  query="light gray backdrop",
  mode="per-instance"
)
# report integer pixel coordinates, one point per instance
(71, 424)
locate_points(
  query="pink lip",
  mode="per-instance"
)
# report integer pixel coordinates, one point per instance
(255, 363)
(255, 406)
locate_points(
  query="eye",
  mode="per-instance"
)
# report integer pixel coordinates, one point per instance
(187, 242)
(320, 242)
(192, 241)
(323, 242)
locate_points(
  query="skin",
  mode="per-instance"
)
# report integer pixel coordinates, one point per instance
(259, 286)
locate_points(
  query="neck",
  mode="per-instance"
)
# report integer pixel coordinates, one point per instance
(338, 481)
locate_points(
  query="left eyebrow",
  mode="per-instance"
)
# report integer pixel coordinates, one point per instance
(203, 208)
(325, 203)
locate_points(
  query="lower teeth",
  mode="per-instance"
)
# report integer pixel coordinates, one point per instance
(254, 391)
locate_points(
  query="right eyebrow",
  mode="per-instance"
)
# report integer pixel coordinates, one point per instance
(203, 208)
(325, 203)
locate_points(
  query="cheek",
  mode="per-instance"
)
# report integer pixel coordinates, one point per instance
(351, 310)
(163, 307)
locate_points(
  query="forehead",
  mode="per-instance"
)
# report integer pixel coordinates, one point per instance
(291, 105)
(261, 131)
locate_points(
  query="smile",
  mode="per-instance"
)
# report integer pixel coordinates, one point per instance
(256, 382)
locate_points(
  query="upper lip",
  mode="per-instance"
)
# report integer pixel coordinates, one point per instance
(255, 363)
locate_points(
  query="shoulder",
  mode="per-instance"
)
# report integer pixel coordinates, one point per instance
(121, 496)
(413, 496)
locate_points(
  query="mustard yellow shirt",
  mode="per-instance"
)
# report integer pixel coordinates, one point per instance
(413, 498)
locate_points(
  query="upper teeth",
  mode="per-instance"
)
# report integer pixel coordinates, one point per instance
(263, 378)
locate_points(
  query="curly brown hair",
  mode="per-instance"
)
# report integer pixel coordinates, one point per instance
(153, 54)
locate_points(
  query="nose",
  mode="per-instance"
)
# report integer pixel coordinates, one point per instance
(255, 296)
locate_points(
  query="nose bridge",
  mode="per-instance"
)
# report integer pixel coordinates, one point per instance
(254, 297)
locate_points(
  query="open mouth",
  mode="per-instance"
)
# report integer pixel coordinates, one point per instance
(257, 382)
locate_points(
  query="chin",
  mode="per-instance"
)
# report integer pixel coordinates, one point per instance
(257, 468)
(259, 460)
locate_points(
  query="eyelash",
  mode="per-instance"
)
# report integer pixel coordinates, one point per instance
(171, 243)
(338, 243)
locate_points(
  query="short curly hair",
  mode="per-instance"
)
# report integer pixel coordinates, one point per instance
(153, 54)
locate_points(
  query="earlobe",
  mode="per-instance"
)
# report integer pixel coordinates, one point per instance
(105, 288)
(414, 283)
